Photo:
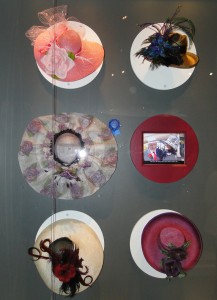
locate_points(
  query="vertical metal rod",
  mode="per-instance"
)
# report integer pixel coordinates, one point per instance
(54, 202)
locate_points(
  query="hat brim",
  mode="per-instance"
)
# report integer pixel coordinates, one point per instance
(86, 235)
(44, 174)
(150, 239)
(87, 62)
(190, 60)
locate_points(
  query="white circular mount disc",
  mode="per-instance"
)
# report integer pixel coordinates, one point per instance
(76, 215)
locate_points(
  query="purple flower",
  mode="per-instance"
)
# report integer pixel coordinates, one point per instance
(97, 178)
(49, 190)
(51, 163)
(88, 141)
(62, 118)
(62, 127)
(105, 134)
(26, 147)
(50, 135)
(110, 158)
(66, 174)
(171, 267)
(76, 190)
(31, 173)
(45, 145)
(34, 126)
(171, 264)
(86, 164)
(85, 121)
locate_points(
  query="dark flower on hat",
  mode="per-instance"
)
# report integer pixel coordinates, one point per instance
(163, 48)
(64, 272)
(178, 253)
(69, 174)
(67, 266)
(171, 263)
(172, 268)
(26, 147)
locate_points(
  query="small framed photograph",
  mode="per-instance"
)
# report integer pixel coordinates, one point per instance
(164, 148)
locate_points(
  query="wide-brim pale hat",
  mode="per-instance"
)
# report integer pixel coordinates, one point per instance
(67, 156)
(84, 232)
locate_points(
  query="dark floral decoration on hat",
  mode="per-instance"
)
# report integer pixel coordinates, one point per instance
(171, 263)
(164, 46)
(67, 266)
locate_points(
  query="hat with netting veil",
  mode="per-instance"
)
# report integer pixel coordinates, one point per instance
(63, 48)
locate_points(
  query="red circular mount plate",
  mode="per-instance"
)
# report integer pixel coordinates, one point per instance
(164, 173)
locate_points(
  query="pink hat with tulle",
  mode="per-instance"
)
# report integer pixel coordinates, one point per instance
(62, 48)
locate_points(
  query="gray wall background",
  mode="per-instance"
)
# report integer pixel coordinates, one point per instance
(25, 94)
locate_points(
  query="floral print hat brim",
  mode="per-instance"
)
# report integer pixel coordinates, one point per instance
(65, 49)
(92, 164)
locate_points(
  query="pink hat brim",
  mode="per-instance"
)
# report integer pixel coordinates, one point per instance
(150, 239)
(87, 61)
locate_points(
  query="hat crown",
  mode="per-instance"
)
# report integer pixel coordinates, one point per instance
(171, 236)
(61, 244)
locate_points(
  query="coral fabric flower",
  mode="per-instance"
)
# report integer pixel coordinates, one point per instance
(57, 62)
(64, 272)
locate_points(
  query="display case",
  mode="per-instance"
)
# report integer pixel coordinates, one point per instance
(115, 93)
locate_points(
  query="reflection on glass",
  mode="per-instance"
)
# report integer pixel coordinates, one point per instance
(68, 147)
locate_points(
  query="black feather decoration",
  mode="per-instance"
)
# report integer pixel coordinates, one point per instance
(165, 45)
